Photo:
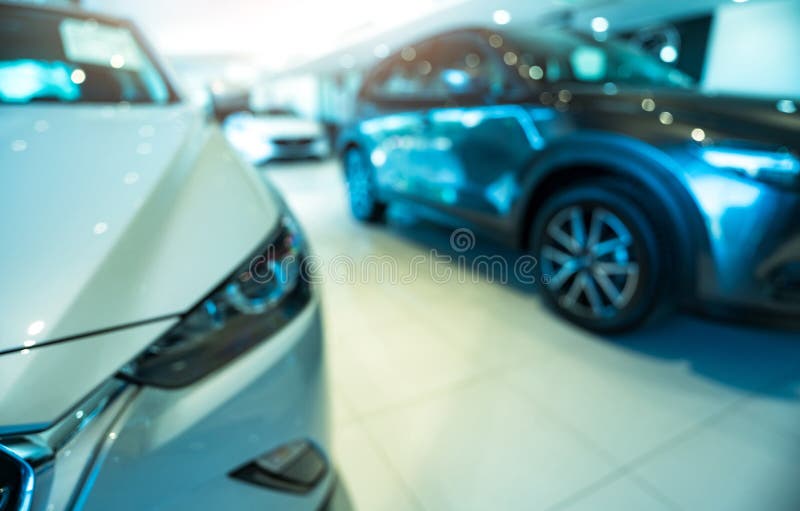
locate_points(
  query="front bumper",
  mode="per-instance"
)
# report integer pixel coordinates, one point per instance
(752, 265)
(149, 448)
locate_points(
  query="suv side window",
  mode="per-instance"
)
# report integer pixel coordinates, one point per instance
(405, 76)
(462, 65)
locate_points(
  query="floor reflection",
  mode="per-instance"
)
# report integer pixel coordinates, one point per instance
(471, 395)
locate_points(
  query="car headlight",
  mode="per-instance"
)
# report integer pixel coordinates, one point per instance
(261, 296)
(780, 167)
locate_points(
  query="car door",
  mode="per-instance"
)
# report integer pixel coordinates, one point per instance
(479, 140)
(394, 106)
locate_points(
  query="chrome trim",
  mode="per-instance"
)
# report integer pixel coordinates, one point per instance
(40, 448)
(37, 451)
(81, 492)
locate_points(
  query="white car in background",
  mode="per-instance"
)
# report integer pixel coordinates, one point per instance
(276, 134)
(160, 344)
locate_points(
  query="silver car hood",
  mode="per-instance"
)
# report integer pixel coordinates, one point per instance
(113, 215)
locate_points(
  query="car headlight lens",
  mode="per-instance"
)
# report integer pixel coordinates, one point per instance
(261, 296)
(780, 167)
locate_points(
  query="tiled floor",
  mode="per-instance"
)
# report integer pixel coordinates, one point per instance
(467, 395)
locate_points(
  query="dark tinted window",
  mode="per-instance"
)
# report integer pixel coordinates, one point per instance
(565, 56)
(406, 75)
(46, 56)
(438, 70)
(462, 64)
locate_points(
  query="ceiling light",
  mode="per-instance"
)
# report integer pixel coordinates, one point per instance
(668, 54)
(78, 76)
(381, 51)
(501, 17)
(599, 24)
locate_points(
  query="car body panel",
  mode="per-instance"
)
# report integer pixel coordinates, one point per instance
(109, 237)
(260, 138)
(274, 395)
(41, 384)
(72, 464)
(487, 161)
(120, 219)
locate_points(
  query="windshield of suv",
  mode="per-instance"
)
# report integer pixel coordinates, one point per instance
(48, 56)
(559, 56)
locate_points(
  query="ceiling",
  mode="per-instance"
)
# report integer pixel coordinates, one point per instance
(279, 36)
(276, 31)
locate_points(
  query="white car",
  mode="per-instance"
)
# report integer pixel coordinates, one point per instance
(276, 134)
(160, 339)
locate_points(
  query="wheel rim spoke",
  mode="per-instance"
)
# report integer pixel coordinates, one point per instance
(562, 275)
(590, 260)
(593, 296)
(556, 255)
(575, 290)
(562, 237)
(595, 228)
(616, 268)
(608, 288)
(578, 229)
(609, 246)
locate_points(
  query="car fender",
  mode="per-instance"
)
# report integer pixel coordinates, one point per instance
(634, 161)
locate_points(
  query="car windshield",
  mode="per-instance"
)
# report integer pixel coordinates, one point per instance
(560, 56)
(49, 56)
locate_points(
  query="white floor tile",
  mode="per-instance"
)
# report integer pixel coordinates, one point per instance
(623, 403)
(732, 465)
(396, 364)
(368, 480)
(622, 494)
(341, 411)
(483, 447)
(482, 399)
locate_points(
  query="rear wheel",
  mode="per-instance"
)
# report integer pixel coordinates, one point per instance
(599, 263)
(361, 188)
